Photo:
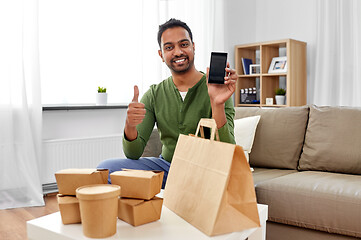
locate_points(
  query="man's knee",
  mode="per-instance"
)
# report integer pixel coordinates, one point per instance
(113, 163)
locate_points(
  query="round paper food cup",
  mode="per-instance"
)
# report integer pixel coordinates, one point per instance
(98, 209)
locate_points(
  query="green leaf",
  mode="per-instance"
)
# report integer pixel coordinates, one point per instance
(102, 90)
(280, 91)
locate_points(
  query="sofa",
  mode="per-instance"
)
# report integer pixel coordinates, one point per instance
(307, 169)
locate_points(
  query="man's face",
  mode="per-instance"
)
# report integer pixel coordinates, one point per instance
(177, 49)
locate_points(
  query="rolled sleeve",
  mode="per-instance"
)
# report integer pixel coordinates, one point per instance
(226, 133)
(133, 149)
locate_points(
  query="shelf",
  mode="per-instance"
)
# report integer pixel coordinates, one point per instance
(250, 75)
(274, 74)
(249, 105)
(263, 74)
(294, 80)
(273, 106)
(261, 105)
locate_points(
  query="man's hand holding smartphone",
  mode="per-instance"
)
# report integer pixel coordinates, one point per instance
(221, 79)
(217, 70)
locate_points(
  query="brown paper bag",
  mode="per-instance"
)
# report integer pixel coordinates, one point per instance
(210, 184)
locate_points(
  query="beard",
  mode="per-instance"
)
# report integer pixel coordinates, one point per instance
(180, 69)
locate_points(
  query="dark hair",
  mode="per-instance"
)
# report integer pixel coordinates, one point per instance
(171, 23)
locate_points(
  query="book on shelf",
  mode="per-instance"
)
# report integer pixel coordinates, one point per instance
(245, 63)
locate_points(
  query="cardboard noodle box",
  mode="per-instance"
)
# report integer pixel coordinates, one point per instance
(69, 180)
(139, 184)
(98, 209)
(69, 209)
(137, 211)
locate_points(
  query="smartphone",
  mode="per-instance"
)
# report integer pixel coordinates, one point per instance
(217, 70)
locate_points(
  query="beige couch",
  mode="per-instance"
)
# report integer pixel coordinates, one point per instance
(307, 163)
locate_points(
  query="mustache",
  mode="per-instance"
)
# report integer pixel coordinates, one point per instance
(178, 57)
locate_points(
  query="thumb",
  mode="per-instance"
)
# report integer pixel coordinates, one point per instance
(136, 94)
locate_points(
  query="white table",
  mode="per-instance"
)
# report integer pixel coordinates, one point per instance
(170, 226)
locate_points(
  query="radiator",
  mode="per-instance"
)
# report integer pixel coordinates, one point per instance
(77, 153)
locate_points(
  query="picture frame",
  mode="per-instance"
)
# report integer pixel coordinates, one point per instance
(278, 65)
(254, 69)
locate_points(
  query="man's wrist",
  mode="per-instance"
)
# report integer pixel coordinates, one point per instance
(217, 106)
(219, 114)
(130, 133)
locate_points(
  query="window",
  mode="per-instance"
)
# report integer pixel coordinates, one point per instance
(89, 43)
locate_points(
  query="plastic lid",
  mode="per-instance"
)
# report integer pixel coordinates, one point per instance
(97, 191)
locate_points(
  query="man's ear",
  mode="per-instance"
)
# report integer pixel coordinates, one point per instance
(160, 54)
(194, 48)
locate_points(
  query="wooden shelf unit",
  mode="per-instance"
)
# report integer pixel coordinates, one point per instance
(295, 78)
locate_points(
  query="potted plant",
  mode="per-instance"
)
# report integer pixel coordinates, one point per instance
(280, 96)
(102, 96)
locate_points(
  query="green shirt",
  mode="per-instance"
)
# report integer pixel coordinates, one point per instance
(173, 116)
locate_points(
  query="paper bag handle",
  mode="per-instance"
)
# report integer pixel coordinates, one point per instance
(209, 123)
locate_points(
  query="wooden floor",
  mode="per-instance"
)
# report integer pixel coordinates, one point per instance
(13, 221)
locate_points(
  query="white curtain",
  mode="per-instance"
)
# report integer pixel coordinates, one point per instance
(20, 105)
(338, 53)
(206, 20)
(114, 44)
(89, 43)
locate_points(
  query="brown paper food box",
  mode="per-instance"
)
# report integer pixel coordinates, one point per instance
(69, 209)
(137, 211)
(139, 184)
(69, 180)
(98, 209)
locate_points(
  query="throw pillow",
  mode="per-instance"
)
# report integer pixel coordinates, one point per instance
(245, 130)
(279, 136)
(332, 141)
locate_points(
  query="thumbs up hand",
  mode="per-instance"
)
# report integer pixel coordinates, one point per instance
(135, 115)
(136, 94)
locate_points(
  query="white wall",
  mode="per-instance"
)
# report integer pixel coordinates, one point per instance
(264, 20)
(82, 123)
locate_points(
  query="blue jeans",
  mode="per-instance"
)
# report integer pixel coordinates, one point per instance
(144, 163)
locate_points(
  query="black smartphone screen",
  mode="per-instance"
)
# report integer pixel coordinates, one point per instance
(217, 68)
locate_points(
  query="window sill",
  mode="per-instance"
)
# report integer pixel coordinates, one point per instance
(69, 107)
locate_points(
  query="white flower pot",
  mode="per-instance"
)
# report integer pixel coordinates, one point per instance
(101, 99)
(280, 99)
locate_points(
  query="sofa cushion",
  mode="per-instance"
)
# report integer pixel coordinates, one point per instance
(264, 174)
(279, 231)
(154, 145)
(333, 140)
(279, 136)
(323, 201)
